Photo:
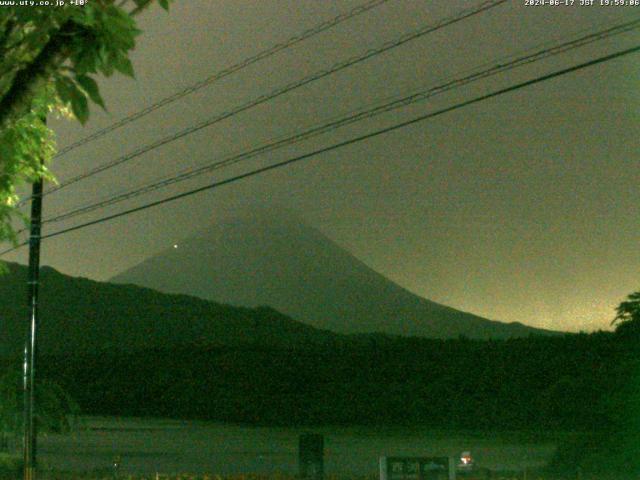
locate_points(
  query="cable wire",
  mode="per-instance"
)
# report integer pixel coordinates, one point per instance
(338, 145)
(326, 25)
(501, 61)
(350, 119)
(281, 91)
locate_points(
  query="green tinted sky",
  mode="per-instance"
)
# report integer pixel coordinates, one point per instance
(521, 208)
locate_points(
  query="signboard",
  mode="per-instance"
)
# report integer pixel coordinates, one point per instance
(417, 468)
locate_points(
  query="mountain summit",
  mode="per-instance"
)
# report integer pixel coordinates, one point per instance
(275, 260)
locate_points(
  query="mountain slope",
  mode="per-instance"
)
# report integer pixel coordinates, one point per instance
(277, 261)
(78, 315)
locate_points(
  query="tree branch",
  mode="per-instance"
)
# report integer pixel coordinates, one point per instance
(28, 81)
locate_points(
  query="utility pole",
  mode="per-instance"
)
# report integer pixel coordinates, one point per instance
(29, 447)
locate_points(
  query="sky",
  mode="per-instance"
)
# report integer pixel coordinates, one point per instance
(524, 207)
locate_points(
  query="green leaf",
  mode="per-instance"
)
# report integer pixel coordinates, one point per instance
(86, 57)
(80, 106)
(90, 86)
(164, 4)
(105, 64)
(65, 88)
(124, 66)
(69, 92)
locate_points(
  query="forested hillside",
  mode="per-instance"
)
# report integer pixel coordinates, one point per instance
(82, 315)
(566, 382)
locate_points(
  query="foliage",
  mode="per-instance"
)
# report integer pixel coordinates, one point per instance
(444, 384)
(628, 316)
(49, 59)
(615, 447)
(10, 466)
(54, 404)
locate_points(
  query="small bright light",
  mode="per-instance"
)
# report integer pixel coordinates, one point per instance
(175, 245)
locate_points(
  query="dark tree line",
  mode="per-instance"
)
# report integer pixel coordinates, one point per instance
(567, 382)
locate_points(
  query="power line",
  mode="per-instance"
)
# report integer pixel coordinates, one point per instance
(351, 141)
(326, 25)
(501, 67)
(281, 91)
(551, 47)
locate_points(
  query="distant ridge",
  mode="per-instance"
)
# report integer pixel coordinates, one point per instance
(273, 259)
(80, 315)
